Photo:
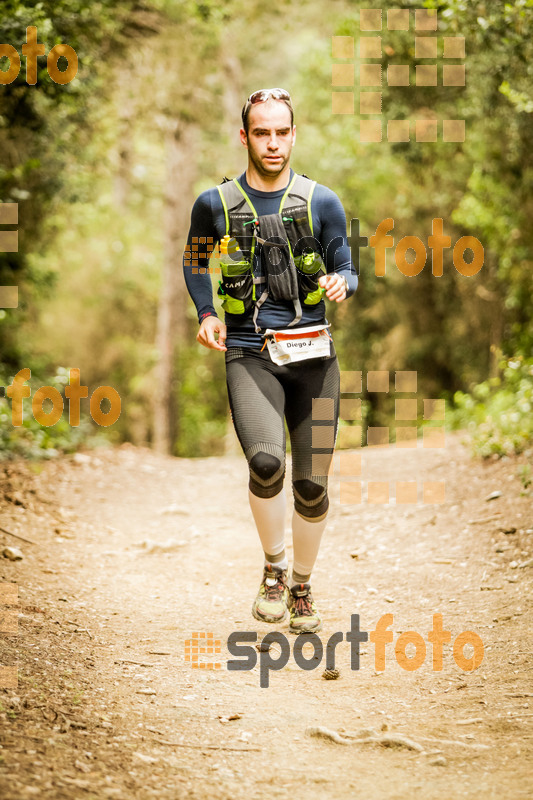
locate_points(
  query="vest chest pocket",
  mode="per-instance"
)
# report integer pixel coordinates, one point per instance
(237, 289)
(310, 268)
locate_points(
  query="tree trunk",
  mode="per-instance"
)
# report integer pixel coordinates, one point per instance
(171, 319)
(126, 115)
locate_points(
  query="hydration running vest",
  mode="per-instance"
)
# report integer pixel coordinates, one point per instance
(291, 258)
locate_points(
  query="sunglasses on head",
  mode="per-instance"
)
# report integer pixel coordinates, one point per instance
(263, 94)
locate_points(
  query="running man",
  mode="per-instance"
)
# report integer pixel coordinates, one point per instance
(283, 247)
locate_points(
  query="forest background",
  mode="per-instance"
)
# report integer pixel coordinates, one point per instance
(105, 170)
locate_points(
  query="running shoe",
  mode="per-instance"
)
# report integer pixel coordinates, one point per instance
(270, 605)
(304, 616)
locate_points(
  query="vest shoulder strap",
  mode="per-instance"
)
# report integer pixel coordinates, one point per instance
(300, 191)
(299, 194)
(299, 197)
(233, 199)
(231, 193)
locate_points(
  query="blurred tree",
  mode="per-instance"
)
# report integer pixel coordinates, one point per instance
(41, 123)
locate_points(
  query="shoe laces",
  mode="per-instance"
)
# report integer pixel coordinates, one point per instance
(302, 602)
(274, 592)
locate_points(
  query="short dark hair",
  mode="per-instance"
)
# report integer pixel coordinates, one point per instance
(275, 94)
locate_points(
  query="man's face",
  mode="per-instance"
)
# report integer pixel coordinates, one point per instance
(270, 136)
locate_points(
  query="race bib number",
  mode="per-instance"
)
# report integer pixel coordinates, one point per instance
(286, 347)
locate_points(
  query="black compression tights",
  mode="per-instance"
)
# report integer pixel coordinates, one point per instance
(306, 392)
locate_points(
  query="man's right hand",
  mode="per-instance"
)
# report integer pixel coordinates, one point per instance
(206, 334)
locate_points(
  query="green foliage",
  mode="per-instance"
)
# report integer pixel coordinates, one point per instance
(499, 413)
(42, 124)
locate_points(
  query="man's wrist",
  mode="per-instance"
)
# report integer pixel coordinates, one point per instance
(206, 314)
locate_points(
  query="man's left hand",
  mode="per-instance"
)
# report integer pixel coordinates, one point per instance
(335, 286)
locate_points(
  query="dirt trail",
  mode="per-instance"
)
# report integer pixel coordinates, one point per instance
(134, 552)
